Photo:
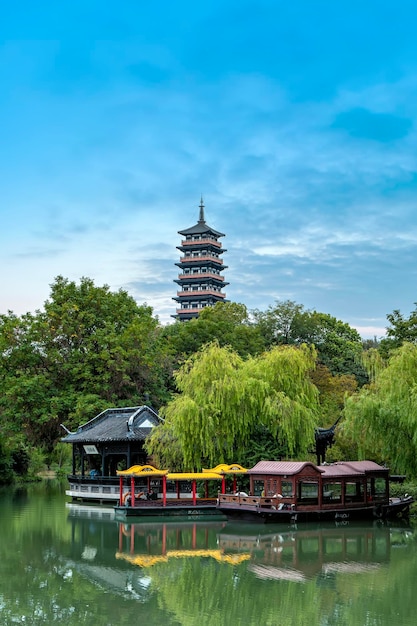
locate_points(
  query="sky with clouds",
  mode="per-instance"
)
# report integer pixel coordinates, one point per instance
(295, 121)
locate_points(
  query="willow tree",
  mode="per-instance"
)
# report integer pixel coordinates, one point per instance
(382, 417)
(223, 398)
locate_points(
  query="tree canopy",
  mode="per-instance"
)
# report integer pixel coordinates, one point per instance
(223, 399)
(228, 323)
(87, 350)
(339, 346)
(382, 417)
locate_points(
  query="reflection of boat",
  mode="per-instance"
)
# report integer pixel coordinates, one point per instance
(293, 491)
(300, 554)
(92, 512)
(156, 493)
(270, 552)
(146, 545)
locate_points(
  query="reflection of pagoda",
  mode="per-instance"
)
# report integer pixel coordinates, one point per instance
(200, 280)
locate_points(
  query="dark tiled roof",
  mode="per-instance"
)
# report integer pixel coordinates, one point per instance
(200, 229)
(124, 424)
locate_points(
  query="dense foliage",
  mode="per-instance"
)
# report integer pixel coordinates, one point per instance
(223, 399)
(228, 323)
(247, 385)
(89, 349)
(339, 346)
(382, 417)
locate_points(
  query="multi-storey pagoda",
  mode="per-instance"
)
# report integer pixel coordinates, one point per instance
(200, 280)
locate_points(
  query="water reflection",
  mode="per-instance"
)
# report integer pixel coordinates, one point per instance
(305, 553)
(78, 566)
(250, 574)
(270, 552)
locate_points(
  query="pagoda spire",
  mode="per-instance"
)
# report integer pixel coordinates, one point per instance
(201, 219)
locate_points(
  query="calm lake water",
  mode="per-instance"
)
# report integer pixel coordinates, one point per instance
(72, 565)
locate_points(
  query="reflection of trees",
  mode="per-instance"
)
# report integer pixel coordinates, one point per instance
(222, 595)
(40, 582)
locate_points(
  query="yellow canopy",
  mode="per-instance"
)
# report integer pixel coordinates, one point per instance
(216, 473)
(142, 470)
(149, 470)
(194, 476)
(224, 468)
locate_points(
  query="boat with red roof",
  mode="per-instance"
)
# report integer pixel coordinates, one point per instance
(296, 491)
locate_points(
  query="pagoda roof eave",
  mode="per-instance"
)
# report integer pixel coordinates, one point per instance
(199, 229)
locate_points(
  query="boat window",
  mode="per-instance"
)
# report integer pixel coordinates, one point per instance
(286, 489)
(379, 488)
(308, 492)
(258, 487)
(332, 492)
(354, 491)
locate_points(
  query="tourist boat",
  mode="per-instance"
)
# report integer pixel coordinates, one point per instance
(156, 493)
(293, 491)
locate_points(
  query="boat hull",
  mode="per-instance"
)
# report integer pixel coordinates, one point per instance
(172, 510)
(396, 507)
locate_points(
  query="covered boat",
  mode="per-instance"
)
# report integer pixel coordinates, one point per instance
(153, 492)
(293, 491)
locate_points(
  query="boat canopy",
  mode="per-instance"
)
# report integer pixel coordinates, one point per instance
(194, 476)
(142, 470)
(217, 473)
(224, 468)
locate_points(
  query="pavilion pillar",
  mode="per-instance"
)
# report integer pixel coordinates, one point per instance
(194, 491)
(103, 467)
(129, 456)
(120, 490)
(132, 490)
(164, 490)
(224, 484)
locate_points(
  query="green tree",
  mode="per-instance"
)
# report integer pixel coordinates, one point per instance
(333, 390)
(223, 399)
(382, 417)
(87, 350)
(339, 346)
(228, 323)
(280, 323)
(401, 329)
(6, 473)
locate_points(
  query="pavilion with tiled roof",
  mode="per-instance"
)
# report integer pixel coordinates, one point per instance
(112, 439)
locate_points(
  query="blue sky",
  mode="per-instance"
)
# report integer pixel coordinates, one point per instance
(295, 121)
